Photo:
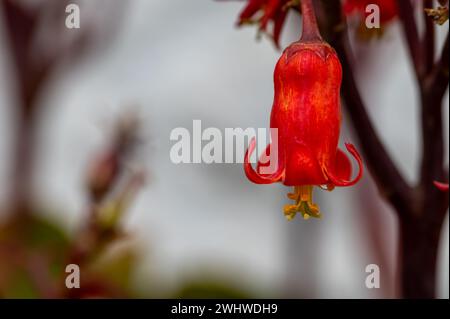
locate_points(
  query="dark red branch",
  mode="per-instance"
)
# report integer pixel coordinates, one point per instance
(20, 25)
(437, 81)
(429, 40)
(421, 210)
(406, 14)
(420, 233)
(390, 182)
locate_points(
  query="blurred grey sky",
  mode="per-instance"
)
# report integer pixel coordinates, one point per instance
(181, 60)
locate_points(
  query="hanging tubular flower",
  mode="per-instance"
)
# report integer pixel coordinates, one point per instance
(442, 186)
(262, 12)
(306, 113)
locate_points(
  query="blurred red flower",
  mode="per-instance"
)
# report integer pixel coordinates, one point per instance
(262, 12)
(388, 8)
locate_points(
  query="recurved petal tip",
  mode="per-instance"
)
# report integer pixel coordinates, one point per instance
(442, 186)
(333, 175)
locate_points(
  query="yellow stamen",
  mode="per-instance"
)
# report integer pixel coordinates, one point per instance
(303, 203)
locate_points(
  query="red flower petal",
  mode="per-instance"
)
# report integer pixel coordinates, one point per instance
(263, 160)
(255, 177)
(335, 177)
(265, 12)
(269, 12)
(342, 166)
(442, 186)
(278, 26)
(252, 7)
(302, 166)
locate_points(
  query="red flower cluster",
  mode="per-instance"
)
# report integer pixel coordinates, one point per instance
(264, 11)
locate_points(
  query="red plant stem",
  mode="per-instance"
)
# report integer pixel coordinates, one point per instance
(310, 31)
(421, 210)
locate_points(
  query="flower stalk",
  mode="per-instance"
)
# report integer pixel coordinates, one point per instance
(310, 31)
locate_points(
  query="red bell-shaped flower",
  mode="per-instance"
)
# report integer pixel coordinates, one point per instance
(306, 112)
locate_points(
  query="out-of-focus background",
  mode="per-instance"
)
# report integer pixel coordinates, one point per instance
(197, 226)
